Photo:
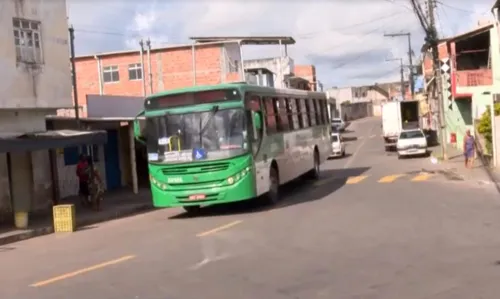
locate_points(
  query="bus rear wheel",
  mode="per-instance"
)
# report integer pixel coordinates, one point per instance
(192, 210)
(315, 172)
(273, 195)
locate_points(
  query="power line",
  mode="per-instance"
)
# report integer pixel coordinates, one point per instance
(456, 8)
(120, 34)
(389, 16)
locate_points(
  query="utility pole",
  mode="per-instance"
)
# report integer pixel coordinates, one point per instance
(141, 43)
(402, 71)
(148, 44)
(410, 59)
(73, 75)
(428, 23)
(433, 39)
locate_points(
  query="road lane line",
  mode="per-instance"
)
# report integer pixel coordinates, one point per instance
(421, 177)
(373, 136)
(390, 178)
(218, 229)
(348, 163)
(355, 179)
(82, 271)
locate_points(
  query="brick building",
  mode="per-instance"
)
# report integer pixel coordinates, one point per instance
(120, 73)
(204, 62)
(307, 72)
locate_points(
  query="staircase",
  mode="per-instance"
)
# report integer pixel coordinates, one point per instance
(382, 91)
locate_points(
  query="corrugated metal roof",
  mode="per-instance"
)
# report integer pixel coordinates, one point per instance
(154, 50)
(248, 40)
(50, 140)
(471, 33)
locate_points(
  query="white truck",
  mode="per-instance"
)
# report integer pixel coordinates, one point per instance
(397, 116)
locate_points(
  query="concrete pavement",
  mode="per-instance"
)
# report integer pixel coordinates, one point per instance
(336, 238)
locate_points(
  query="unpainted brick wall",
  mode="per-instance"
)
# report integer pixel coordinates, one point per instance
(170, 68)
(307, 72)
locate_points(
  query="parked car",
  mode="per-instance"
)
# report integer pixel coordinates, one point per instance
(338, 145)
(338, 125)
(411, 143)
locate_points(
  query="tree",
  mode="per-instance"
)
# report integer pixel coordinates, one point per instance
(484, 127)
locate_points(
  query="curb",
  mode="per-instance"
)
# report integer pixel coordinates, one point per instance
(37, 232)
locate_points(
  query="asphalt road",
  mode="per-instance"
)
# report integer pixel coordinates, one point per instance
(372, 227)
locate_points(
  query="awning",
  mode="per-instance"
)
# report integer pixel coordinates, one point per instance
(19, 142)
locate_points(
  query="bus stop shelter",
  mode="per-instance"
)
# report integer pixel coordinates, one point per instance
(19, 146)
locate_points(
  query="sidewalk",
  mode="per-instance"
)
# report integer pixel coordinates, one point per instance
(455, 168)
(114, 205)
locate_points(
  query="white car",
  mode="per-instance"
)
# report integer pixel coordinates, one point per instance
(338, 124)
(411, 143)
(338, 145)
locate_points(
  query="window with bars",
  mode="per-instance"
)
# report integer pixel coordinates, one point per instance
(110, 74)
(135, 71)
(28, 41)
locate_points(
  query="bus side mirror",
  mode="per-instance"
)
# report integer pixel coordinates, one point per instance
(257, 120)
(137, 129)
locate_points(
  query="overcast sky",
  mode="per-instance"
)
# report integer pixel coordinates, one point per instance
(342, 38)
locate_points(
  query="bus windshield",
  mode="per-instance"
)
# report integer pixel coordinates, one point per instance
(209, 135)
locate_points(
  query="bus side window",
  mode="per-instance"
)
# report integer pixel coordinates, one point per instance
(270, 116)
(253, 104)
(312, 112)
(281, 111)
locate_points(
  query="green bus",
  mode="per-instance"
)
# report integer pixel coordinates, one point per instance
(231, 142)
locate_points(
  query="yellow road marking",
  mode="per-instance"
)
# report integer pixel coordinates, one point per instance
(218, 229)
(390, 178)
(355, 179)
(82, 271)
(421, 177)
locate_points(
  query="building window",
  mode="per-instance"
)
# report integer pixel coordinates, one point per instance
(234, 67)
(110, 74)
(27, 39)
(135, 71)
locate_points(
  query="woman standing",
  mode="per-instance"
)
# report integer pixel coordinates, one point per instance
(469, 149)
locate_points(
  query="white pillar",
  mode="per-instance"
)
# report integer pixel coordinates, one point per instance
(493, 131)
(133, 163)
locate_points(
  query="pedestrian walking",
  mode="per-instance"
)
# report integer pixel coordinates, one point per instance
(469, 149)
(82, 172)
(96, 186)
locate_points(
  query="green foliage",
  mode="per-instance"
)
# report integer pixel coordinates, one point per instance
(484, 126)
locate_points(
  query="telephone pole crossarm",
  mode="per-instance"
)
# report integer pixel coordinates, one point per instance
(410, 59)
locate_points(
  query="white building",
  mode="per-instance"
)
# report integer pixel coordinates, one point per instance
(36, 81)
(281, 69)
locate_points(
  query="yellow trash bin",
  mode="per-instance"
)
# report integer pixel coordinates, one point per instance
(64, 218)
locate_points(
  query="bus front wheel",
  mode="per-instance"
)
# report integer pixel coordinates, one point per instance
(273, 195)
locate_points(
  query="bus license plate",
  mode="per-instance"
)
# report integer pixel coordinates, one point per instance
(197, 197)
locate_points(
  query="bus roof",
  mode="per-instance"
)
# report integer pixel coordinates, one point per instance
(241, 86)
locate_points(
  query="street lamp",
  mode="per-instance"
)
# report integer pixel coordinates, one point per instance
(410, 60)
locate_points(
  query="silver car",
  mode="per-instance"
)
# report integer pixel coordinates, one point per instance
(338, 125)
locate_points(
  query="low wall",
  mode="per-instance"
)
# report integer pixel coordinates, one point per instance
(354, 111)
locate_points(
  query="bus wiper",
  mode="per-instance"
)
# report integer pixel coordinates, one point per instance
(212, 115)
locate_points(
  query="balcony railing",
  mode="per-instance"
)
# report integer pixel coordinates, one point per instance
(475, 78)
